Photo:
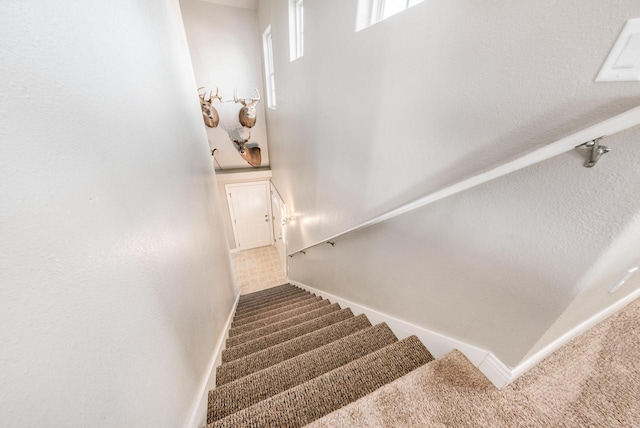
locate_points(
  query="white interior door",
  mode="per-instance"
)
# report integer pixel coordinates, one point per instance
(250, 214)
(279, 215)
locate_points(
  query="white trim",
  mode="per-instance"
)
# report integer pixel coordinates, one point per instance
(610, 126)
(198, 414)
(571, 334)
(438, 344)
(237, 175)
(234, 251)
(496, 371)
(243, 4)
(488, 363)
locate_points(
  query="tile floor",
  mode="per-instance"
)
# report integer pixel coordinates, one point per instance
(258, 269)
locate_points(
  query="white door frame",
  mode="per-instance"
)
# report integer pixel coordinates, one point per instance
(274, 192)
(267, 188)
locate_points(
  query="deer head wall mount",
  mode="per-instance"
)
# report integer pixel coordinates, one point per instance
(239, 133)
(209, 113)
(248, 112)
(252, 155)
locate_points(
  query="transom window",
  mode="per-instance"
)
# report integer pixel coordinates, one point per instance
(296, 29)
(373, 11)
(269, 71)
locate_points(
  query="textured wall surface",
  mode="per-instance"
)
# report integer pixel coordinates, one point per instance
(225, 51)
(496, 265)
(370, 120)
(115, 277)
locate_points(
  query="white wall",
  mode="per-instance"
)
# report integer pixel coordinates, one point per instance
(494, 266)
(621, 256)
(114, 273)
(225, 51)
(368, 121)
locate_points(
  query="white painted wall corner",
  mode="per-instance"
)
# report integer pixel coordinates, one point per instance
(498, 373)
(198, 416)
(598, 317)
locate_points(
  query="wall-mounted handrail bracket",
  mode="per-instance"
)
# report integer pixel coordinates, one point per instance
(596, 152)
(303, 252)
(333, 244)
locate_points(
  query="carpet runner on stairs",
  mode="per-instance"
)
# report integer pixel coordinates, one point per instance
(292, 358)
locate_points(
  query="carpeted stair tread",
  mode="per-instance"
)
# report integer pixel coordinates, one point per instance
(272, 310)
(280, 315)
(318, 397)
(255, 298)
(266, 292)
(257, 303)
(280, 325)
(248, 317)
(270, 301)
(251, 299)
(284, 335)
(261, 385)
(261, 360)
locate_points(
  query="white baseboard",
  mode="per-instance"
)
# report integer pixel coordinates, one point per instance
(572, 334)
(234, 251)
(198, 415)
(439, 344)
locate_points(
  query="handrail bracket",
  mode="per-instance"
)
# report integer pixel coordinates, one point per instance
(597, 151)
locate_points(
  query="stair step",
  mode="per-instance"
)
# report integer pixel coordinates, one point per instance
(248, 317)
(280, 314)
(270, 301)
(284, 335)
(251, 299)
(280, 325)
(249, 390)
(261, 360)
(315, 398)
(266, 292)
(265, 298)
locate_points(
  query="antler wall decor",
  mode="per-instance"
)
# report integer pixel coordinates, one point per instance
(209, 113)
(239, 135)
(248, 113)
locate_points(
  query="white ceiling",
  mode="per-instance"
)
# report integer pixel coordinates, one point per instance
(245, 4)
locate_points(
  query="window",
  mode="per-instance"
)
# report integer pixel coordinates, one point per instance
(296, 29)
(269, 74)
(374, 11)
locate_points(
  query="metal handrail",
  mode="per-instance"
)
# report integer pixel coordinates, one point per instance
(589, 136)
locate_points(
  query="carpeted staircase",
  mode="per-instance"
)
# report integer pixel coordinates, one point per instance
(292, 358)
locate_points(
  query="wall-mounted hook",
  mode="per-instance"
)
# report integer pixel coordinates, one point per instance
(333, 244)
(596, 152)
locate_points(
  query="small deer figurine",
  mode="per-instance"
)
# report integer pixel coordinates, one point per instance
(247, 114)
(209, 113)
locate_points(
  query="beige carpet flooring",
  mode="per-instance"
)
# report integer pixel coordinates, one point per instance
(594, 381)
